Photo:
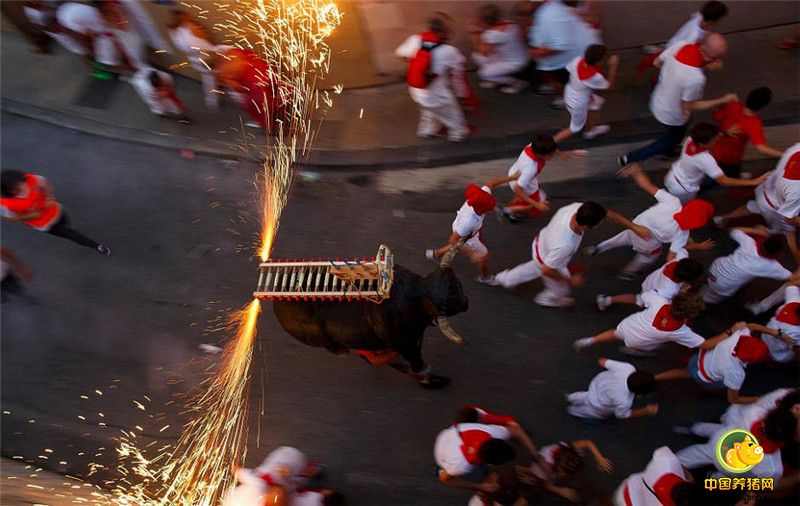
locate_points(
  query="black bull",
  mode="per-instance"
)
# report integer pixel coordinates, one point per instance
(398, 323)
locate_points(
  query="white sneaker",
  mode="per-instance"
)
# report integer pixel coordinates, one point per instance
(430, 256)
(487, 84)
(719, 222)
(754, 307)
(583, 343)
(595, 131)
(515, 87)
(589, 251)
(553, 300)
(488, 280)
(558, 104)
(602, 302)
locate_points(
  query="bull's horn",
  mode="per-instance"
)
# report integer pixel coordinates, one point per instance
(447, 330)
(447, 258)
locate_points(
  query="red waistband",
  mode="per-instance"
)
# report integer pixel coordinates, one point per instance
(702, 370)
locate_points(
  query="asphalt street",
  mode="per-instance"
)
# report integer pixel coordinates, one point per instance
(181, 231)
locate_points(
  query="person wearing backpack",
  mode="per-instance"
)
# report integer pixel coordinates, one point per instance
(435, 79)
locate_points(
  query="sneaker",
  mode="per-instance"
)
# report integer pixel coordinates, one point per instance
(487, 84)
(603, 302)
(515, 87)
(754, 307)
(504, 214)
(652, 49)
(545, 89)
(103, 250)
(627, 276)
(719, 222)
(558, 104)
(746, 175)
(595, 131)
(583, 343)
(589, 251)
(430, 256)
(633, 352)
(622, 161)
(682, 430)
(488, 280)
(553, 300)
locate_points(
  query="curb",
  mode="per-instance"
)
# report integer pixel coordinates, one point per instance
(436, 153)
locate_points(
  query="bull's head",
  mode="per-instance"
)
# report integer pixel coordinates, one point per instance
(447, 295)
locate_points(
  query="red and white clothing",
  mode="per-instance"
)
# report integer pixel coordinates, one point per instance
(438, 103)
(649, 329)
(77, 17)
(663, 280)
(690, 32)
(730, 150)
(284, 467)
(608, 395)
(553, 247)
(456, 447)
(468, 224)
(788, 322)
(579, 97)
(653, 486)
(768, 402)
(114, 46)
(548, 454)
(32, 198)
(197, 51)
(158, 103)
(778, 197)
(681, 80)
(729, 273)
(530, 166)
(508, 54)
(721, 365)
(686, 174)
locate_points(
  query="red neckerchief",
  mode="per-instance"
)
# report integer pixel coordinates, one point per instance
(663, 488)
(471, 441)
(536, 158)
(693, 149)
(766, 443)
(792, 170)
(690, 55)
(788, 314)
(759, 239)
(669, 271)
(430, 37)
(586, 71)
(664, 320)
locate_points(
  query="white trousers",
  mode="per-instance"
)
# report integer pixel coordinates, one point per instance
(496, 71)
(644, 250)
(578, 406)
(718, 288)
(450, 115)
(528, 271)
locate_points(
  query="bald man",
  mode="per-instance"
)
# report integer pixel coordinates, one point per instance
(679, 92)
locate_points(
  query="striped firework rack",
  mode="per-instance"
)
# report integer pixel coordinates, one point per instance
(340, 279)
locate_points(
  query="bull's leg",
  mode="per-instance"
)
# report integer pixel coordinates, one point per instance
(421, 371)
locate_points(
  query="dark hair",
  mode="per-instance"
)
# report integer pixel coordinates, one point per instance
(774, 246)
(568, 460)
(496, 451)
(594, 54)
(490, 14)
(703, 133)
(688, 269)
(437, 24)
(788, 401)
(543, 145)
(590, 214)
(686, 306)
(9, 179)
(641, 382)
(333, 498)
(466, 414)
(687, 493)
(780, 425)
(714, 11)
(758, 98)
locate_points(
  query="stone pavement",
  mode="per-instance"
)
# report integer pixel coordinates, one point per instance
(374, 127)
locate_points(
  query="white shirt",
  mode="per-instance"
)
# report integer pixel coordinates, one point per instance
(767, 402)
(649, 329)
(783, 195)
(720, 364)
(508, 45)
(688, 171)
(468, 222)
(608, 392)
(745, 264)
(529, 170)
(664, 462)
(558, 27)
(677, 83)
(308, 498)
(578, 92)
(157, 104)
(80, 17)
(445, 60)
(192, 46)
(282, 460)
(557, 242)
(690, 31)
(447, 448)
(659, 219)
(783, 320)
(659, 281)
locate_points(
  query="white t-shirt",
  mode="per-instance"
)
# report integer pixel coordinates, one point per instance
(468, 222)
(192, 46)
(80, 17)
(608, 392)
(659, 219)
(447, 449)
(783, 194)
(664, 462)
(284, 458)
(508, 45)
(558, 27)
(578, 92)
(308, 498)
(445, 60)
(687, 173)
(157, 104)
(662, 280)
(745, 264)
(787, 322)
(690, 32)
(720, 364)
(557, 242)
(529, 170)
(677, 83)
(655, 325)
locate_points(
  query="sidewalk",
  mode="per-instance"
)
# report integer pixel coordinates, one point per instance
(373, 128)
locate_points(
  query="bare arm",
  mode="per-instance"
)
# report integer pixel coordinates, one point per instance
(713, 341)
(497, 181)
(457, 482)
(635, 172)
(639, 230)
(649, 410)
(520, 435)
(733, 181)
(735, 398)
(706, 245)
(769, 151)
(613, 66)
(704, 105)
(538, 205)
(586, 444)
